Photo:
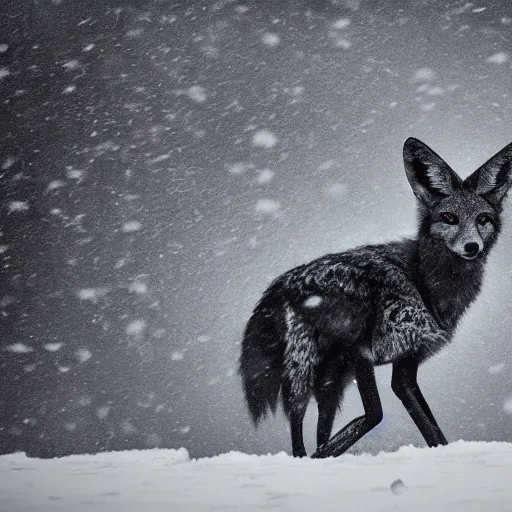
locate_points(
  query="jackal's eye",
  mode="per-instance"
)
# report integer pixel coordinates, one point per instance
(449, 218)
(482, 220)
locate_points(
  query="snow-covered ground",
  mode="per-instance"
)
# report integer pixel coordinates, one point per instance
(465, 476)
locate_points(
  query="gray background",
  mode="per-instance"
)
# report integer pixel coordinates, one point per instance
(163, 161)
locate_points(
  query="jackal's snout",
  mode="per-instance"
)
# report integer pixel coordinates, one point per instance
(471, 250)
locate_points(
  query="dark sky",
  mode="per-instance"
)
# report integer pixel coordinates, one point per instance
(161, 162)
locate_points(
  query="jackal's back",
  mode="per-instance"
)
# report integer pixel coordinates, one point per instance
(366, 296)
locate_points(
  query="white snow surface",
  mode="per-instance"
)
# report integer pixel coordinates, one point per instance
(463, 476)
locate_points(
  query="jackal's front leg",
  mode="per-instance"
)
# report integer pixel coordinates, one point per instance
(357, 428)
(405, 385)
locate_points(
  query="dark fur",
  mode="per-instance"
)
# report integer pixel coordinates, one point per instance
(319, 324)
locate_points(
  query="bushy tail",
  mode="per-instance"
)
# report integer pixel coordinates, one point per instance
(262, 360)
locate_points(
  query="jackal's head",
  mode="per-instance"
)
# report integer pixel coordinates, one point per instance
(464, 215)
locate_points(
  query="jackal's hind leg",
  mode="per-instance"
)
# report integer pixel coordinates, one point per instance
(327, 406)
(357, 428)
(296, 421)
(300, 358)
(295, 402)
(332, 378)
(295, 406)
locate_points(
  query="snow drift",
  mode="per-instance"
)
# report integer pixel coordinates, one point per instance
(469, 476)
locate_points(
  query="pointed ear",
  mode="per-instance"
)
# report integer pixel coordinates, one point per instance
(493, 179)
(431, 178)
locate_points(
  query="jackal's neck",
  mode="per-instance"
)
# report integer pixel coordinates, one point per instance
(447, 282)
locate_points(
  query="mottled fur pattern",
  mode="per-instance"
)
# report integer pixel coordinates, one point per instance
(320, 323)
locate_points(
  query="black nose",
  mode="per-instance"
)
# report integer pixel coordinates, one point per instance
(471, 249)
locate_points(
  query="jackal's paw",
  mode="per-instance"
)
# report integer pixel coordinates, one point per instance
(321, 453)
(300, 454)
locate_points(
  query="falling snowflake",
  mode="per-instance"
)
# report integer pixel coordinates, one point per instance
(71, 64)
(427, 107)
(138, 287)
(136, 328)
(103, 411)
(264, 176)
(325, 166)
(270, 39)
(497, 368)
(497, 58)
(53, 347)
(18, 206)
(176, 356)
(131, 226)
(240, 167)
(7, 163)
(312, 302)
(264, 139)
(345, 44)
(18, 348)
(75, 174)
(341, 24)
(197, 93)
(92, 294)
(55, 184)
(424, 75)
(134, 33)
(83, 355)
(160, 158)
(267, 206)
